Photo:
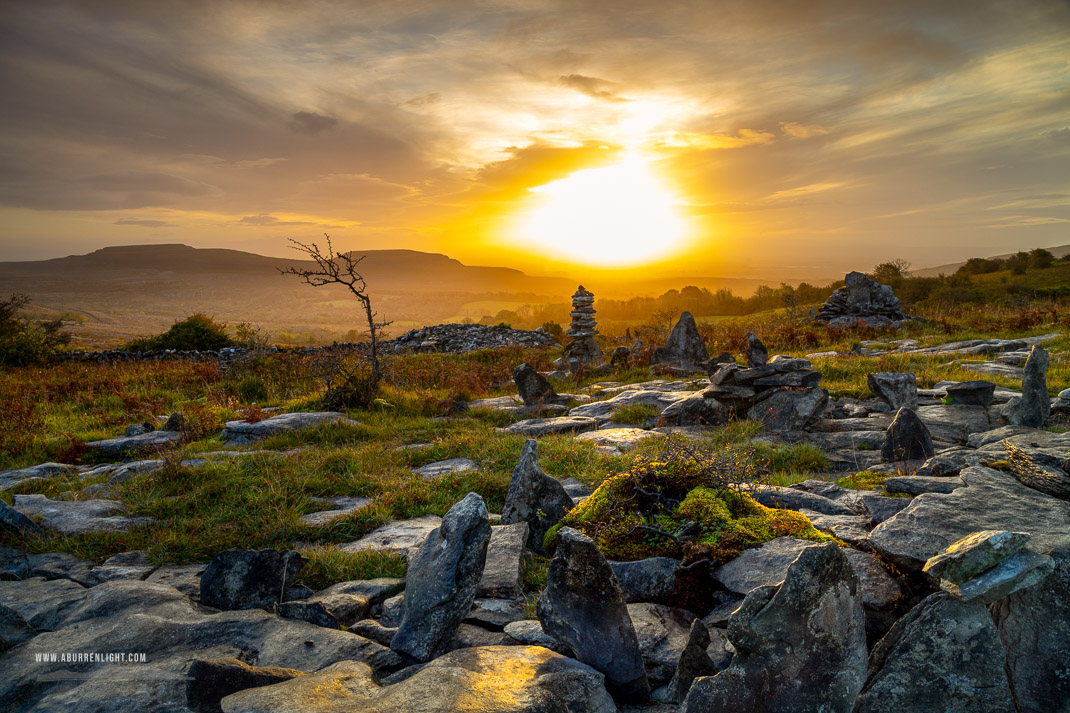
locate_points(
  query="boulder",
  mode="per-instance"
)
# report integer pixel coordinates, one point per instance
(693, 662)
(1019, 571)
(186, 578)
(249, 579)
(442, 579)
(663, 632)
(800, 645)
(919, 484)
(897, 389)
(907, 439)
(78, 517)
(974, 554)
(622, 439)
(211, 680)
(991, 501)
(684, 348)
(402, 536)
(646, 580)
(14, 521)
(943, 655)
(971, 393)
(1035, 629)
(123, 446)
(10, 478)
(371, 629)
(536, 427)
(790, 410)
(450, 466)
(503, 571)
(513, 679)
(583, 606)
(533, 387)
(495, 614)
(757, 354)
(695, 410)
(165, 627)
(13, 629)
(530, 633)
(534, 498)
(238, 432)
(1033, 407)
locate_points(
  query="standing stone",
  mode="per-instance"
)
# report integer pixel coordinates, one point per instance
(534, 497)
(442, 579)
(908, 438)
(249, 579)
(503, 572)
(582, 606)
(684, 348)
(1033, 407)
(757, 354)
(583, 347)
(694, 662)
(897, 389)
(1034, 625)
(533, 387)
(943, 655)
(800, 645)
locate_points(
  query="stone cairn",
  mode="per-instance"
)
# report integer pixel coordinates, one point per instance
(583, 348)
(862, 299)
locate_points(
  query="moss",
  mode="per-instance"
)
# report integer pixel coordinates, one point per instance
(863, 480)
(996, 464)
(703, 505)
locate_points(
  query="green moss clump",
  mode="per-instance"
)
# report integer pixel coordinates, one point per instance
(863, 480)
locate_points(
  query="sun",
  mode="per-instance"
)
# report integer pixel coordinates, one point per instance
(615, 216)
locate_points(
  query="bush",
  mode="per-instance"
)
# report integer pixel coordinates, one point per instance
(23, 342)
(198, 332)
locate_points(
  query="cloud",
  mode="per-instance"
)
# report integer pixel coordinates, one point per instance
(311, 123)
(705, 142)
(1059, 136)
(591, 86)
(264, 219)
(801, 131)
(145, 223)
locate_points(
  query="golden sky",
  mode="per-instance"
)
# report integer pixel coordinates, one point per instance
(783, 138)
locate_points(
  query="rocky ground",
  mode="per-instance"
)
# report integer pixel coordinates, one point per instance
(944, 586)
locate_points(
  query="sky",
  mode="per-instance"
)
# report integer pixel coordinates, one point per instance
(776, 138)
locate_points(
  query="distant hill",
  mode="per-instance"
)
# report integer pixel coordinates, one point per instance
(1060, 251)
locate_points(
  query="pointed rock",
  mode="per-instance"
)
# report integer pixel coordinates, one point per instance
(582, 606)
(800, 645)
(534, 498)
(533, 387)
(1033, 407)
(897, 389)
(442, 579)
(684, 348)
(757, 354)
(694, 662)
(907, 438)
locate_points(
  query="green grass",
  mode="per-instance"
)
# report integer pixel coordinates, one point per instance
(636, 414)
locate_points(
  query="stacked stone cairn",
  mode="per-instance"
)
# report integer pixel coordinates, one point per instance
(862, 300)
(583, 349)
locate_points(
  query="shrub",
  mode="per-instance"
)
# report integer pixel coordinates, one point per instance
(23, 342)
(198, 332)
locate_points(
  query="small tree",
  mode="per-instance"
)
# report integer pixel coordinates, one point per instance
(888, 271)
(23, 342)
(1040, 259)
(346, 384)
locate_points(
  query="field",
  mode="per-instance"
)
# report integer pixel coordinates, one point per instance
(255, 501)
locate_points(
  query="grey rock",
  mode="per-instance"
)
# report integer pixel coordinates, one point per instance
(602, 411)
(391, 610)
(211, 680)
(249, 579)
(343, 507)
(10, 478)
(133, 564)
(663, 633)
(918, 484)
(62, 565)
(953, 423)
(991, 501)
(533, 387)
(534, 498)
(646, 580)
(907, 439)
(790, 410)
(794, 499)
(583, 606)
(1043, 470)
(495, 614)
(123, 446)
(78, 517)
(974, 554)
(503, 572)
(695, 410)
(13, 629)
(881, 508)
(238, 432)
(693, 662)
(376, 591)
(684, 348)
(971, 393)
(14, 521)
(433, 471)
(800, 646)
(186, 578)
(784, 364)
(442, 580)
(536, 427)
(1035, 629)
(808, 378)
(468, 636)
(313, 612)
(861, 299)
(621, 439)
(897, 389)
(513, 679)
(371, 629)
(944, 655)
(530, 633)
(402, 536)
(1033, 407)
(757, 354)
(165, 626)
(1019, 571)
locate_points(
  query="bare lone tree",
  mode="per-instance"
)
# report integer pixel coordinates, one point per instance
(335, 268)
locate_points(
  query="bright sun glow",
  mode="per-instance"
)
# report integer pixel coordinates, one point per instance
(613, 216)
